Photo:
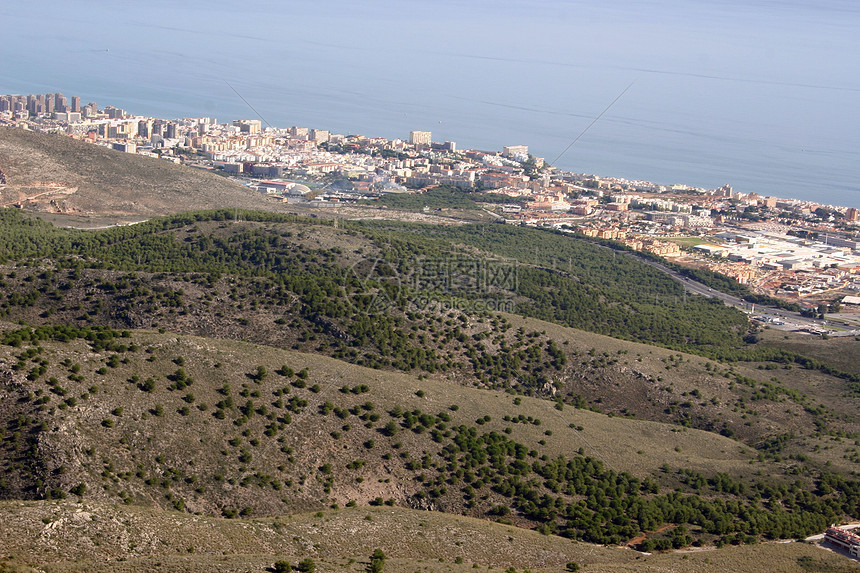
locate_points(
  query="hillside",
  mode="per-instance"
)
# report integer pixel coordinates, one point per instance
(225, 428)
(276, 365)
(484, 267)
(81, 389)
(303, 284)
(65, 536)
(62, 175)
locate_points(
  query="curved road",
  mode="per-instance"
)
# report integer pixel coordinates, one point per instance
(791, 320)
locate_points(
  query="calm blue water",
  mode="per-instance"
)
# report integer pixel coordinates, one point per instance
(758, 94)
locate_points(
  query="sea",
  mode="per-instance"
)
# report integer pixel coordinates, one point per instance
(758, 94)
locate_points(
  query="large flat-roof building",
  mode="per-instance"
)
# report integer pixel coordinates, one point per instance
(249, 126)
(319, 135)
(515, 150)
(420, 137)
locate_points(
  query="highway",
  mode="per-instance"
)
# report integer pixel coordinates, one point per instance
(775, 317)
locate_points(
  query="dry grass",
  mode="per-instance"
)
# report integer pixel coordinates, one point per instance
(842, 352)
(719, 401)
(61, 537)
(113, 183)
(138, 437)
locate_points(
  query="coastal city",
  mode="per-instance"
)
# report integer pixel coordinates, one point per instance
(799, 251)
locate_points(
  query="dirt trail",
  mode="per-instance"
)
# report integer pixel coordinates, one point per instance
(643, 536)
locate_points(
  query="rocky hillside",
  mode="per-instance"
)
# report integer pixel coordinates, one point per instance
(55, 173)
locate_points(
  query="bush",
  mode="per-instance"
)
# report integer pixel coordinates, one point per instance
(390, 429)
(306, 566)
(377, 561)
(282, 567)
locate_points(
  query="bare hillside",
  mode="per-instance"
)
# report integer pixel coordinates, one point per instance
(58, 174)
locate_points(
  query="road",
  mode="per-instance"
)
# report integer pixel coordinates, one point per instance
(774, 317)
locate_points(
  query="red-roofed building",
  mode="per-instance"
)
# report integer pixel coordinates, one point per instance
(843, 539)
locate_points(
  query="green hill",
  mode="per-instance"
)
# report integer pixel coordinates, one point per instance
(303, 284)
(278, 365)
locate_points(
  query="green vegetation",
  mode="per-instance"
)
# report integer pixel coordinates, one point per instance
(574, 283)
(234, 365)
(405, 536)
(556, 277)
(716, 281)
(377, 561)
(453, 460)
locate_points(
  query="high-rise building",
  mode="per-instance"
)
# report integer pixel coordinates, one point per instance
(769, 202)
(120, 130)
(319, 135)
(144, 129)
(851, 214)
(299, 132)
(49, 104)
(171, 130)
(420, 137)
(114, 112)
(249, 126)
(76, 104)
(158, 127)
(206, 124)
(90, 110)
(60, 102)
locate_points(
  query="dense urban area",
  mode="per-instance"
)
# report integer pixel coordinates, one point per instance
(804, 253)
